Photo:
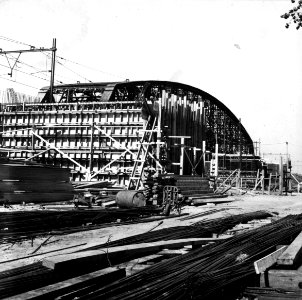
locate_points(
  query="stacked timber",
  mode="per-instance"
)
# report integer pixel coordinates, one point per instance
(286, 273)
(188, 186)
(24, 182)
(99, 192)
(192, 185)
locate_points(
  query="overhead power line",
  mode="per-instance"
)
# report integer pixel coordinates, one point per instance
(20, 83)
(33, 48)
(28, 65)
(13, 41)
(73, 71)
(91, 68)
(16, 70)
(273, 144)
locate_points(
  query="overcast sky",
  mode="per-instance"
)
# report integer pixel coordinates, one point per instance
(238, 51)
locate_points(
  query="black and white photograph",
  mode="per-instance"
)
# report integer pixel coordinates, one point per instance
(150, 149)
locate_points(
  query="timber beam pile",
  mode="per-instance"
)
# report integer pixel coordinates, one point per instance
(281, 274)
(23, 182)
(188, 186)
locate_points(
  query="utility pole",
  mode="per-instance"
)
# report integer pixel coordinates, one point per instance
(257, 147)
(240, 145)
(53, 63)
(288, 173)
(287, 159)
(34, 49)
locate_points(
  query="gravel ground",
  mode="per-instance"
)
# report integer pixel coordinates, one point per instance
(281, 205)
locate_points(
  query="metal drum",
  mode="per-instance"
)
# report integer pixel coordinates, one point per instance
(129, 199)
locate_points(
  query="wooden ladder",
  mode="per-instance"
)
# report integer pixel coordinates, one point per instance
(138, 167)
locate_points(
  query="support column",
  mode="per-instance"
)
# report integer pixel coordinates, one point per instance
(159, 125)
(91, 148)
(281, 176)
(181, 159)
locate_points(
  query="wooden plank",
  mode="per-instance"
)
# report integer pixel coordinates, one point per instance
(285, 279)
(140, 260)
(204, 201)
(101, 256)
(261, 293)
(135, 268)
(104, 276)
(14, 198)
(293, 253)
(139, 264)
(267, 261)
(35, 186)
(172, 252)
(207, 196)
(33, 172)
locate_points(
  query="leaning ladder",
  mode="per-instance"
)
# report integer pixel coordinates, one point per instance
(138, 168)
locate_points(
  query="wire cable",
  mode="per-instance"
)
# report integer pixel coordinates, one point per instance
(14, 41)
(20, 83)
(88, 67)
(27, 73)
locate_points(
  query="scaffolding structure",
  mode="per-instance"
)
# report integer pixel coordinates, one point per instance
(98, 130)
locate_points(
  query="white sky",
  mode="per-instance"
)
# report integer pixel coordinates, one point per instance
(239, 51)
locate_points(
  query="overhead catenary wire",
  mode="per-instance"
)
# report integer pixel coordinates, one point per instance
(57, 61)
(38, 70)
(36, 88)
(14, 41)
(16, 70)
(88, 67)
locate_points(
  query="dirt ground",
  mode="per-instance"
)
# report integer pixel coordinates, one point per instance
(280, 205)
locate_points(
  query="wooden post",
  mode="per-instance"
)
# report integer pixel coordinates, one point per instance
(240, 146)
(238, 181)
(262, 182)
(216, 159)
(281, 176)
(159, 125)
(194, 160)
(257, 178)
(182, 150)
(204, 156)
(91, 150)
(33, 140)
(269, 183)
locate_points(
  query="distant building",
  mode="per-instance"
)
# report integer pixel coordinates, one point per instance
(10, 96)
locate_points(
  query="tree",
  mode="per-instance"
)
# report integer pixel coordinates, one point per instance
(294, 15)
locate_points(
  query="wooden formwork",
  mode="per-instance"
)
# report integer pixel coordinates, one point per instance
(100, 139)
(92, 134)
